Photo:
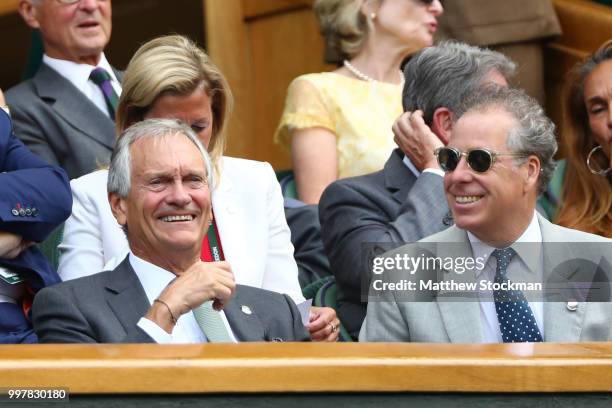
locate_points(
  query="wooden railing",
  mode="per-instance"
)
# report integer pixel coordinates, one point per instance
(309, 368)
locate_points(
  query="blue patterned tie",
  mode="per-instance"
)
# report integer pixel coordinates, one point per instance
(516, 320)
(102, 78)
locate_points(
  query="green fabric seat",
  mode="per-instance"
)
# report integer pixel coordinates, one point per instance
(49, 246)
(286, 179)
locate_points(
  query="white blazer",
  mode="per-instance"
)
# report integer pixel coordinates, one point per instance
(248, 207)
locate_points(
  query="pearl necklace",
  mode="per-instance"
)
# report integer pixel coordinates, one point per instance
(363, 76)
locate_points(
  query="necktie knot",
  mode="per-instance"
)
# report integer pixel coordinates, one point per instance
(99, 75)
(102, 79)
(503, 256)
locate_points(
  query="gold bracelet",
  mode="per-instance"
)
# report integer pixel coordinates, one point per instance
(167, 307)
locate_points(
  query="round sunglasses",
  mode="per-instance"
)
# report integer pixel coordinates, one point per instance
(480, 160)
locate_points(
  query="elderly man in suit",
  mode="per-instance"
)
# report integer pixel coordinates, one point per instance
(65, 113)
(405, 201)
(500, 156)
(34, 199)
(158, 186)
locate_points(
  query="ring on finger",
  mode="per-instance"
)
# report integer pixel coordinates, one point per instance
(334, 328)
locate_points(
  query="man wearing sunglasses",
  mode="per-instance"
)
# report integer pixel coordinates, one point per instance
(65, 113)
(499, 158)
(405, 201)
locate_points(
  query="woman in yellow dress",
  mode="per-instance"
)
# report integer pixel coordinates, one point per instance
(338, 124)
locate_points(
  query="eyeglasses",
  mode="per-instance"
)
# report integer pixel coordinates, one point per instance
(479, 160)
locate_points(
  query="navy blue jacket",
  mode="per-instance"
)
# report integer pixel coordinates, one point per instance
(34, 199)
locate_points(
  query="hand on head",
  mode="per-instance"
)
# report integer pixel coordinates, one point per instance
(323, 325)
(202, 282)
(416, 140)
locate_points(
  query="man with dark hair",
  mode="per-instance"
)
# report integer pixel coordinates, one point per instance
(404, 202)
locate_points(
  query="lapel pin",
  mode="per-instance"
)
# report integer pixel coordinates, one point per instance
(246, 310)
(572, 306)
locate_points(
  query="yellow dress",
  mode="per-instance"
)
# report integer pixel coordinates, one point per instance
(359, 113)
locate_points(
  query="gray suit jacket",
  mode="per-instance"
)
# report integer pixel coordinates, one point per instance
(105, 308)
(390, 206)
(444, 321)
(57, 122)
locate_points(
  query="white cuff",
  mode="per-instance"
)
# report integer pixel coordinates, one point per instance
(434, 171)
(154, 331)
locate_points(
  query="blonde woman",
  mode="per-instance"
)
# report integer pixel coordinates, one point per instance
(171, 77)
(338, 124)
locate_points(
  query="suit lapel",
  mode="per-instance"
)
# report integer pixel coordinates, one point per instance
(461, 318)
(126, 296)
(73, 106)
(398, 178)
(246, 327)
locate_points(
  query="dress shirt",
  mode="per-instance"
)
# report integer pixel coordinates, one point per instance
(417, 173)
(154, 280)
(526, 266)
(78, 75)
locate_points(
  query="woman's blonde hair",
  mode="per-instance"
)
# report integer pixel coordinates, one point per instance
(174, 65)
(343, 25)
(586, 198)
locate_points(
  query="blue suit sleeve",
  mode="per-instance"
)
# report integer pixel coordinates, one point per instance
(28, 182)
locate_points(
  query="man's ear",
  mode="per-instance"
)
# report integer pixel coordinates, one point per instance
(532, 178)
(29, 13)
(118, 207)
(442, 124)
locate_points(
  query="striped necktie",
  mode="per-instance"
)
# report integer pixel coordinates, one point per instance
(211, 323)
(102, 78)
(516, 320)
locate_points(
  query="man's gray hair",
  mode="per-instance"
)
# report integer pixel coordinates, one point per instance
(535, 133)
(119, 172)
(446, 74)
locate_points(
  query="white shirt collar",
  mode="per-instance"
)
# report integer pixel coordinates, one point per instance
(411, 166)
(78, 74)
(525, 246)
(153, 278)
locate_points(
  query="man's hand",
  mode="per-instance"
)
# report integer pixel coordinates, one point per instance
(2, 101)
(323, 325)
(203, 281)
(416, 140)
(12, 245)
